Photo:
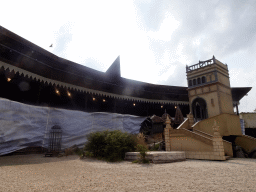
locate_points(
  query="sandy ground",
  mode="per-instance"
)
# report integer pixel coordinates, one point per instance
(38, 173)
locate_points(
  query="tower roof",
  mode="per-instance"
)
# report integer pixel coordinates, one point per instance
(114, 70)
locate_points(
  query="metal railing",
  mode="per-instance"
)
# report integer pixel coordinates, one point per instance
(200, 64)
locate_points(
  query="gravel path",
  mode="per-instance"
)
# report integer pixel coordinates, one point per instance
(38, 173)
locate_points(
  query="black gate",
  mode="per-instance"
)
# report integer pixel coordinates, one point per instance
(55, 137)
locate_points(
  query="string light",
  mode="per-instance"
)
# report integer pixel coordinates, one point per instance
(9, 79)
(104, 100)
(57, 91)
(93, 99)
(134, 104)
(69, 94)
(175, 107)
(162, 106)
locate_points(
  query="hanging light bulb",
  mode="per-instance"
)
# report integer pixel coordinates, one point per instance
(9, 79)
(104, 100)
(134, 104)
(57, 91)
(162, 106)
(69, 94)
(93, 99)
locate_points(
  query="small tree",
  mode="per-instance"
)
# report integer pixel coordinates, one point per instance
(142, 156)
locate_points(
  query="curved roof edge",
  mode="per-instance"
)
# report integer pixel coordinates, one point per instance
(20, 55)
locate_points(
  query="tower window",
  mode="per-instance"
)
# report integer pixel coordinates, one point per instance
(203, 79)
(194, 81)
(198, 80)
(190, 83)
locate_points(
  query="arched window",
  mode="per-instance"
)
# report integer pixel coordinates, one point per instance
(203, 79)
(194, 81)
(198, 80)
(190, 83)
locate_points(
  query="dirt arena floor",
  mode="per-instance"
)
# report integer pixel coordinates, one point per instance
(38, 173)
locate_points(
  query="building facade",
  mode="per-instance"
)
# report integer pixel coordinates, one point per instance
(32, 75)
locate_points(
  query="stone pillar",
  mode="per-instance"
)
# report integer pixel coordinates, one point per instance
(190, 120)
(218, 148)
(167, 130)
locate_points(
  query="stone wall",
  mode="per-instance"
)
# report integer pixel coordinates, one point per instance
(203, 155)
(185, 124)
(249, 119)
(246, 142)
(158, 156)
(229, 125)
(187, 143)
(228, 148)
(196, 145)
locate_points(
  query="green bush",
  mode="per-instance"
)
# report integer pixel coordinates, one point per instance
(88, 154)
(96, 141)
(142, 157)
(136, 161)
(155, 148)
(78, 152)
(110, 145)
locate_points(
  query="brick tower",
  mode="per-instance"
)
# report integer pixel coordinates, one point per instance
(209, 89)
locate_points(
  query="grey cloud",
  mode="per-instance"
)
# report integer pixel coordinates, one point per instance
(200, 20)
(177, 78)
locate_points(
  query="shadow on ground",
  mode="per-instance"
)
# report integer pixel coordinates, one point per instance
(13, 160)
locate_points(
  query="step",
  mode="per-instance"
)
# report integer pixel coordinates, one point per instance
(158, 156)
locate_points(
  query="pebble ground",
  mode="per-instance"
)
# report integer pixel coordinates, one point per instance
(38, 173)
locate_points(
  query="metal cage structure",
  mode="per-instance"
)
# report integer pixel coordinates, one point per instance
(55, 137)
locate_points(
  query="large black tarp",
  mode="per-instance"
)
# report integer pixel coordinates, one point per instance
(24, 125)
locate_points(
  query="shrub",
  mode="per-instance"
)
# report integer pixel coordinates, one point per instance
(88, 154)
(142, 157)
(110, 145)
(95, 143)
(68, 152)
(136, 161)
(141, 140)
(78, 152)
(155, 148)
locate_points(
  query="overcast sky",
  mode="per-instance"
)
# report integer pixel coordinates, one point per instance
(155, 39)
